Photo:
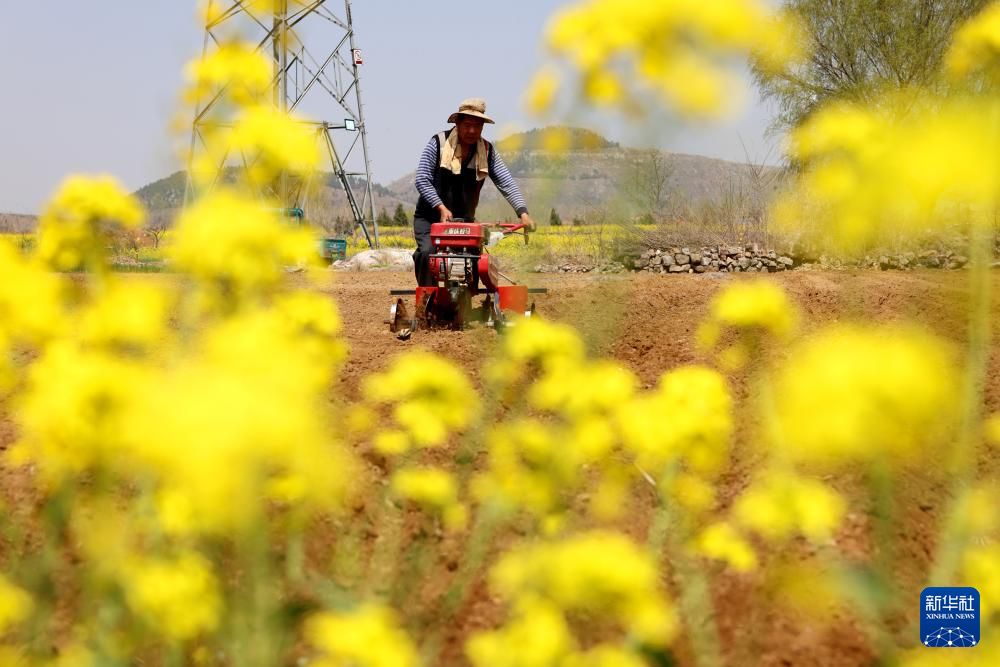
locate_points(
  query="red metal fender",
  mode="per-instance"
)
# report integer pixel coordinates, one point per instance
(514, 298)
(488, 273)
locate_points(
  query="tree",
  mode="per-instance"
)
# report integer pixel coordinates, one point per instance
(399, 218)
(159, 223)
(858, 48)
(554, 219)
(647, 182)
(383, 219)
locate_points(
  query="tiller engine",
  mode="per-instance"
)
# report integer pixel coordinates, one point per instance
(464, 269)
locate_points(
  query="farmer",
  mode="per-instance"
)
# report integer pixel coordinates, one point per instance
(451, 173)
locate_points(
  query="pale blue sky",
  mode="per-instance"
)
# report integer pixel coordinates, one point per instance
(91, 86)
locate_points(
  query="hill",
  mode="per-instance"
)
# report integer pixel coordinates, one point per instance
(589, 177)
(15, 223)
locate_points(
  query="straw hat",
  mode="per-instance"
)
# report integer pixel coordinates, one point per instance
(474, 106)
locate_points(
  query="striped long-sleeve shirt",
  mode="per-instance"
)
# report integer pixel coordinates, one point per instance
(499, 174)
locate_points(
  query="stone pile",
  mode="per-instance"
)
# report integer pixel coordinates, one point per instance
(731, 259)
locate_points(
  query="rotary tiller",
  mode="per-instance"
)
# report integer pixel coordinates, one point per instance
(464, 269)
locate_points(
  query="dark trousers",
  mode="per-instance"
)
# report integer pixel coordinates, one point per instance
(421, 256)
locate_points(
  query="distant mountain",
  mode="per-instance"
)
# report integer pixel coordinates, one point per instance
(588, 177)
(591, 177)
(566, 138)
(15, 223)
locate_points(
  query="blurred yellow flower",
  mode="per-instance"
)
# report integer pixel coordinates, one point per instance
(721, 541)
(430, 397)
(127, 316)
(73, 409)
(539, 632)
(433, 488)
(530, 467)
(542, 91)
(600, 572)
(273, 144)
(235, 247)
(535, 343)
(780, 505)
(687, 418)
(579, 389)
(74, 225)
(604, 656)
(15, 605)
(369, 636)
(31, 299)
(235, 70)
(178, 598)
(877, 393)
(902, 168)
(976, 45)
(752, 308)
(981, 568)
(690, 491)
(679, 50)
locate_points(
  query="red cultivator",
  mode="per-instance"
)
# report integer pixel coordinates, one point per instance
(463, 269)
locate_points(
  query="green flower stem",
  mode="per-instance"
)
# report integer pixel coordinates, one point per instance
(407, 577)
(666, 541)
(385, 551)
(475, 552)
(950, 547)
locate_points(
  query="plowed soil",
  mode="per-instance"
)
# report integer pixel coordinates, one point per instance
(647, 323)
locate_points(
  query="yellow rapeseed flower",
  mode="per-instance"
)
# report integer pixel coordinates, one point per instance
(178, 598)
(976, 45)
(73, 409)
(531, 467)
(981, 568)
(234, 246)
(31, 299)
(600, 572)
(542, 91)
(688, 418)
(678, 50)
(74, 224)
(430, 397)
(779, 505)
(852, 393)
(755, 309)
(368, 636)
(535, 344)
(236, 70)
(604, 655)
(273, 144)
(15, 605)
(583, 388)
(233, 425)
(539, 632)
(903, 168)
(126, 316)
(721, 541)
(434, 489)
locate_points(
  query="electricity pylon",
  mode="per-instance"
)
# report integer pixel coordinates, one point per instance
(316, 71)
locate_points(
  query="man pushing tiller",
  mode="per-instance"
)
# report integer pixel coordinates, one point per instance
(452, 169)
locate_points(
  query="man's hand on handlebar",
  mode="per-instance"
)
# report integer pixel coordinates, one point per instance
(445, 213)
(528, 222)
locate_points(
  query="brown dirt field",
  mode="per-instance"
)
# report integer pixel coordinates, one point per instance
(647, 323)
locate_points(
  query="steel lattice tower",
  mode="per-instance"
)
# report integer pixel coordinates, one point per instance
(316, 72)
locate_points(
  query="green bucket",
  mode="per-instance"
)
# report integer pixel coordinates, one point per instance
(333, 249)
